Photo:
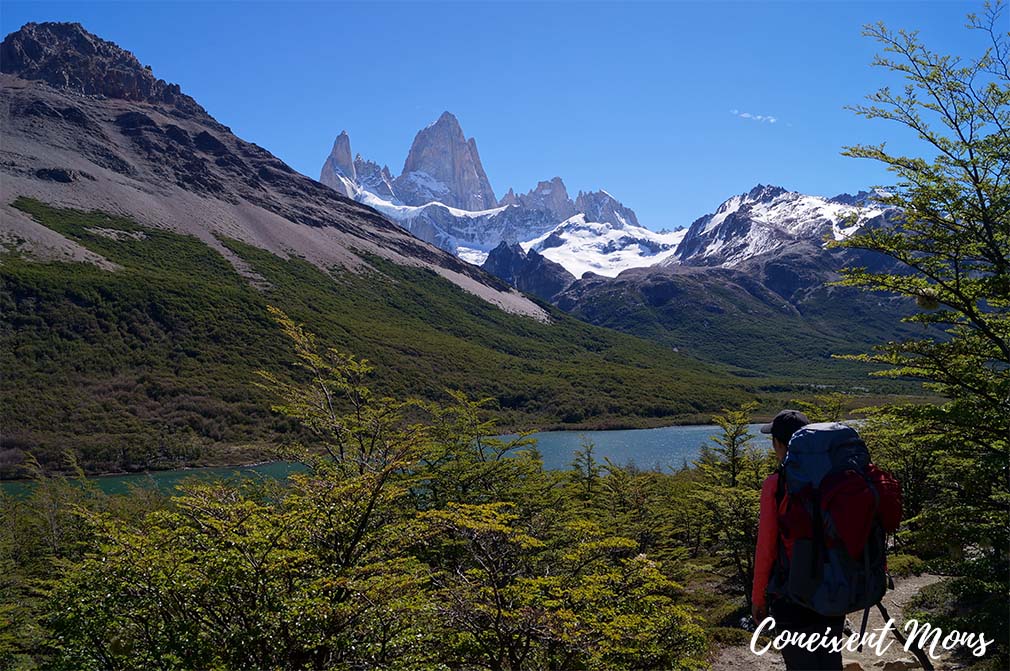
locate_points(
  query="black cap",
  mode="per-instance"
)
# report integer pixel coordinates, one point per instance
(785, 424)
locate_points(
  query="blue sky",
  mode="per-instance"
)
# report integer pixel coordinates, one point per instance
(637, 99)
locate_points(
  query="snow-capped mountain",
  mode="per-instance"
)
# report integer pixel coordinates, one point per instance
(443, 196)
(769, 217)
(606, 247)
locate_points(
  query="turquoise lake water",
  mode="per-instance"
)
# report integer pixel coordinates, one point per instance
(667, 448)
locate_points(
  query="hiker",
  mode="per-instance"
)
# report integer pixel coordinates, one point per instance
(821, 548)
(788, 616)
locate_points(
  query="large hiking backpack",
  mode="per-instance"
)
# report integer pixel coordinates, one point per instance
(836, 509)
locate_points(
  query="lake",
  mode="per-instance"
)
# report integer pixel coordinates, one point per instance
(667, 448)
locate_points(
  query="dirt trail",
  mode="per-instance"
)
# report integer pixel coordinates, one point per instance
(737, 658)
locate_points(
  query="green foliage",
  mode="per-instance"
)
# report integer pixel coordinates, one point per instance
(39, 535)
(731, 460)
(733, 471)
(954, 247)
(410, 542)
(153, 365)
(902, 566)
(586, 469)
(824, 407)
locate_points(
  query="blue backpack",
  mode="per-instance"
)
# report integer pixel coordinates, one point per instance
(829, 499)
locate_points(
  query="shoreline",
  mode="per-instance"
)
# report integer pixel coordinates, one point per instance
(264, 462)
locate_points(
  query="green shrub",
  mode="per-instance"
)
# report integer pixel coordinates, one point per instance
(902, 565)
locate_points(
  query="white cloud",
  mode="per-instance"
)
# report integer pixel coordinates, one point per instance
(763, 118)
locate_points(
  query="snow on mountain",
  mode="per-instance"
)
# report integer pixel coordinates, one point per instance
(603, 247)
(593, 233)
(468, 234)
(441, 193)
(768, 217)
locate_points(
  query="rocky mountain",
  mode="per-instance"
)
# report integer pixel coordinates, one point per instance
(745, 285)
(607, 246)
(601, 206)
(91, 66)
(595, 232)
(86, 125)
(773, 314)
(528, 271)
(443, 166)
(770, 217)
(550, 195)
(338, 171)
(592, 233)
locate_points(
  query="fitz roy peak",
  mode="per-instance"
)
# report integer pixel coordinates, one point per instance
(443, 166)
(444, 197)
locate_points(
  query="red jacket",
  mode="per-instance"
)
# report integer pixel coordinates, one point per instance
(767, 540)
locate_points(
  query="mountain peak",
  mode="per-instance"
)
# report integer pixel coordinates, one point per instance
(339, 169)
(66, 56)
(444, 166)
(447, 117)
(765, 192)
(602, 207)
(548, 195)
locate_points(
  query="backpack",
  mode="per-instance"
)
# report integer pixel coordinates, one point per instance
(836, 508)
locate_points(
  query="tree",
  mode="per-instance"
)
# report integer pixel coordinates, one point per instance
(952, 252)
(733, 470)
(823, 407)
(732, 458)
(586, 469)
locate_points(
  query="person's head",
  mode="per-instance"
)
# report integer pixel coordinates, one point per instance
(782, 428)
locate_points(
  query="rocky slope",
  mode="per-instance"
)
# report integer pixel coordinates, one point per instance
(142, 245)
(86, 125)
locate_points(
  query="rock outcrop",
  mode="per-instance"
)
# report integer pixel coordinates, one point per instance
(339, 171)
(551, 196)
(601, 206)
(528, 271)
(66, 56)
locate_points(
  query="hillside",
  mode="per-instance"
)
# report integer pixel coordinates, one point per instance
(153, 364)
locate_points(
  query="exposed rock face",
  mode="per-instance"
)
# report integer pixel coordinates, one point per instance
(66, 56)
(601, 206)
(444, 166)
(373, 178)
(339, 171)
(550, 195)
(528, 271)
